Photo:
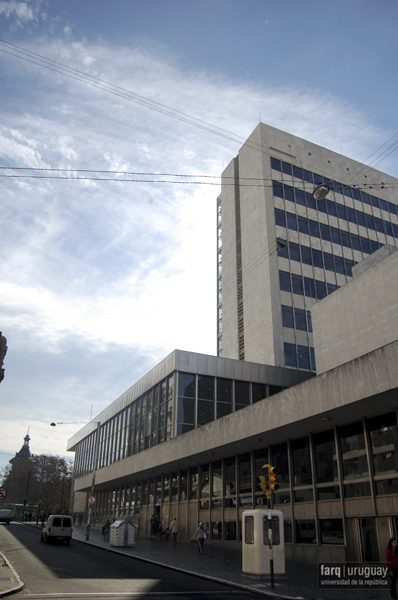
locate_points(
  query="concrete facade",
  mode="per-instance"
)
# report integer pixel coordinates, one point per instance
(362, 315)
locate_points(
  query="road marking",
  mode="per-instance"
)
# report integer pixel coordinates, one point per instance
(129, 594)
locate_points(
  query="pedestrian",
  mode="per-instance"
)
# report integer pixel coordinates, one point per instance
(153, 523)
(174, 530)
(105, 530)
(42, 519)
(392, 564)
(200, 535)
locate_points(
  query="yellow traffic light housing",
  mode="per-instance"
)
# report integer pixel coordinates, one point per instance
(262, 484)
(272, 478)
(273, 486)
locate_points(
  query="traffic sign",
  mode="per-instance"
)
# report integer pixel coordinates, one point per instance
(3, 493)
(91, 500)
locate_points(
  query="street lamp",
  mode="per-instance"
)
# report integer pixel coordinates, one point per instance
(321, 191)
(92, 489)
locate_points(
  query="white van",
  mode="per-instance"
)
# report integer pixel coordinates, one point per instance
(57, 528)
(5, 516)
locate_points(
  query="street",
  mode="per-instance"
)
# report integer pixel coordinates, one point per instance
(81, 571)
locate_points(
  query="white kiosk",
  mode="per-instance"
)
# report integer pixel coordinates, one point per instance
(256, 551)
(122, 533)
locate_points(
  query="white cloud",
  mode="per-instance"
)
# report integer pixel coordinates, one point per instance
(98, 274)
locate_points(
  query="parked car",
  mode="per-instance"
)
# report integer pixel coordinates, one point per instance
(5, 516)
(57, 528)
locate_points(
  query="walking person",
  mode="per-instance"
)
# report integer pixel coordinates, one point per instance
(106, 530)
(174, 530)
(200, 535)
(392, 564)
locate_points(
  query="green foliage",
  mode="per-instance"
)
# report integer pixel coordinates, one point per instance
(43, 479)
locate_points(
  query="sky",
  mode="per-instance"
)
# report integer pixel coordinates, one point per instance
(117, 118)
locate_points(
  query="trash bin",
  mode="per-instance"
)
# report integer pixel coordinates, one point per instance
(122, 533)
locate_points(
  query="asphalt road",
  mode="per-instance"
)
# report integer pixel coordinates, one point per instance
(82, 571)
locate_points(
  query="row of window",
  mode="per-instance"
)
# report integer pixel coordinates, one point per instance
(329, 465)
(335, 209)
(316, 258)
(305, 286)
(325, 232)
(156, 416)
(301, 357)
(296, 318)
(337, 187)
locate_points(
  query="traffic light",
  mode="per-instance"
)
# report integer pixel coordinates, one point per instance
(262, 484)
(272, 479)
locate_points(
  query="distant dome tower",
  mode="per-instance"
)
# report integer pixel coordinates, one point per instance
(3, 352)
(24, 451)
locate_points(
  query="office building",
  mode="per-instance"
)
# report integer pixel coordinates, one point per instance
(280, 251)
(191, 437)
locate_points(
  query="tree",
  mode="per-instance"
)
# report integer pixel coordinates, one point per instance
(43, 480)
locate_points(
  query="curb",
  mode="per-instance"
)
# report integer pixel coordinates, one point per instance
(20, 584)
(239, 586)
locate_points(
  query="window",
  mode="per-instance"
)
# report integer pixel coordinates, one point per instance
(287, 316)
(288, 193)
(224, 397)
(303, 357)
(280, 218)
(245, 473)
(277, 189)
(290, 355)
(301, 462)
(258, 392)
(299, 318)
(275, 531)
(331, 208)
(286, 168)
(297, 172)
(320, 289)
(284, 281)
(331, 531)
(275, 164)
(306, 255)
(297, 284)
(355, 462)
(305, 531)
(314, 228)
(303, 225)
(291, 221)
(242, 394)
(309, 287)
(325, 233)
(249, 529)
(384, 444)
(325, 457)
(317, 258)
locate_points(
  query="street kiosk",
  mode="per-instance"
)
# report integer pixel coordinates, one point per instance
(260, 551)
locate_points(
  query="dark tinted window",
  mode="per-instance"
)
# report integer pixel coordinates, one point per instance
(280, 217)
(290, 355)
(287, 316)
(299, 317)
(297, 284)
(297, 172)
(275, 164)
(284, 281)
(317, 258)
(277, 189)
(286, 168)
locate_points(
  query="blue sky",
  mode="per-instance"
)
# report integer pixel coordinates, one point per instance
(99, 280)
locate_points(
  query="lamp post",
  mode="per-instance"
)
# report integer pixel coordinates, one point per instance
(92, 489)
(92, 497)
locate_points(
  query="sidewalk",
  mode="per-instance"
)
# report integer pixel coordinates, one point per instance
(222, 562)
